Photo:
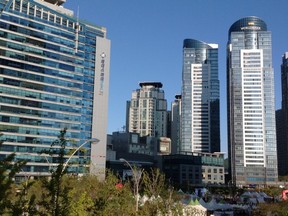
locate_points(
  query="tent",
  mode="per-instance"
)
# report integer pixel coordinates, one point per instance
(195, 208)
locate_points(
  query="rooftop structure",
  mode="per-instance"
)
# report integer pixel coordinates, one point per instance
(147, 110)
(56, 2)
(154, 84)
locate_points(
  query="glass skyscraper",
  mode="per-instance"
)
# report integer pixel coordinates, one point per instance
(251, 106)
(54, 74)
(200, 117)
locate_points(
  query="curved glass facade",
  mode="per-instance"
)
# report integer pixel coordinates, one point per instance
(251, 23)
(195, 44)
(48, 73)
(200, 117)
(251, 109)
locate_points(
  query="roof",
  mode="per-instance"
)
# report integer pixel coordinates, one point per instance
(155, 84)
(251, 23)
(197, 44)
(56, 2)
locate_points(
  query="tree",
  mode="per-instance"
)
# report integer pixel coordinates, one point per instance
(164, 199)
(269, 209)
(9, 167)
(24, 203)
(55, 198)
(154, 183)
(111, 200)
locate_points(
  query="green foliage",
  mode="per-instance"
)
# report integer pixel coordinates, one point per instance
(88, 196)
(273, 191)
(154, 183)
(165, 199)
(283, 178)
(8, 169)
(82, 205)
(111, 200)
(62, 194)
(279, 209)
(55, 198)
(24, 203)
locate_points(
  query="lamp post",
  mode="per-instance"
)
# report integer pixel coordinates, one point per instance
(93, 140)
(137, 173)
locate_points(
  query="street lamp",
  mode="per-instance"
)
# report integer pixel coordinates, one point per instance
(93, 140)
(136, 178)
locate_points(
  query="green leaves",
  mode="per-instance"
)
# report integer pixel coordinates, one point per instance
(63, 194)
(8, 169)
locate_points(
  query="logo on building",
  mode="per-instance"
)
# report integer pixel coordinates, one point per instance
(102, 70)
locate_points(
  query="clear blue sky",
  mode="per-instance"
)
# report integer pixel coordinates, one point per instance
(147, 36)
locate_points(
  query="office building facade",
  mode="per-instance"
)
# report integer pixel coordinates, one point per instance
(147, 110)
(175, 124)
(200, 116)
(282, 148)
(282, 120)
(251, 106)
(194, 169)
(54, 74)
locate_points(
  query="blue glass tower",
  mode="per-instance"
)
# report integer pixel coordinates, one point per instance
(54, 74)
(251, 106)
(200, 117)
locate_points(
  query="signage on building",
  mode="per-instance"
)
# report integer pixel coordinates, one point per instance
(251, 28)
(165, 145)
(102, 70)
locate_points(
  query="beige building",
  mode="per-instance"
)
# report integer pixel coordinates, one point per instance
(147, 110)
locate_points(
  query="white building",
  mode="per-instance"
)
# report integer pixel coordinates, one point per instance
(251, 105)
(147, 110)
(200, 116)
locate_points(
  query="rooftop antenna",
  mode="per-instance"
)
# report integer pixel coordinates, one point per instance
(78, 14)
(123, 128)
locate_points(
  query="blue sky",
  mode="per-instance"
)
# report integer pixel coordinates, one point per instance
(147, 37)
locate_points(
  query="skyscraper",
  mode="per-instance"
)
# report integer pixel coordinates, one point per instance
(251, 109)
(175, 124)
(282, 120)
(54, 74)
(147, 110)
(200, 118)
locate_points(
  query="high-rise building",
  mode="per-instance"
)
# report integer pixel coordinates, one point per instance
(282, 120)
(251, 106)
(54, 74)
(147, 110)
(282, 148)
(175, 124)
(200, 117)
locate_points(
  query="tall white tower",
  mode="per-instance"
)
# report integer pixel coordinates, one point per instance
(200, 118)
(251, 109)
(147, 110)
